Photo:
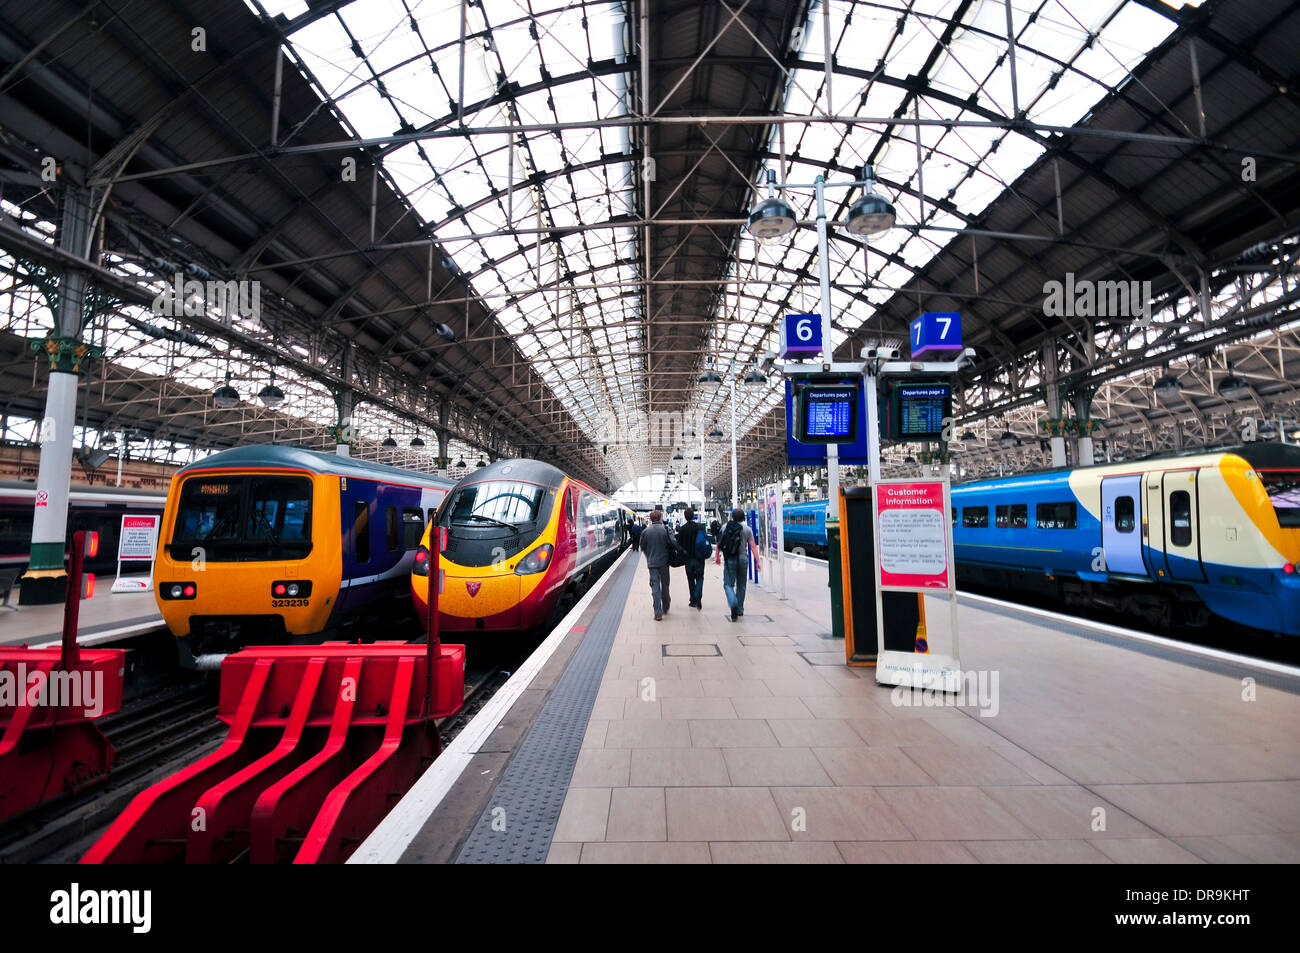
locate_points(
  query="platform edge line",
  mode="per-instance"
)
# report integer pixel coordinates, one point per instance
(394, 834)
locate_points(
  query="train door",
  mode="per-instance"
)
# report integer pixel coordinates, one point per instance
(1182, 530)
(358, 558)
(1121, 518)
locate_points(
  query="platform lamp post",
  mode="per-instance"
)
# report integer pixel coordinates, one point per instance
(774, 218)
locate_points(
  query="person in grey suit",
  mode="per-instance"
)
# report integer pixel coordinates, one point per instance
(654, 543)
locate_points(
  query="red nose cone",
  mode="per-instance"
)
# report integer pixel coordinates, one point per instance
(472, 588)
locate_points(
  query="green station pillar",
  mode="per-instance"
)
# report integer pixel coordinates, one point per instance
(72, 302)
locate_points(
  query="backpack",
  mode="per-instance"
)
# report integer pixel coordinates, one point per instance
(730, 540)
(703, 548)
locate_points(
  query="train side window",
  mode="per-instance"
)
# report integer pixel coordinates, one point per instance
(1057, 515)
(1124, 514)
(954, 516)
(391, 536)
(412, 527)
(1013, 516)
(1180, 518)
(975, 517)
(361, 532)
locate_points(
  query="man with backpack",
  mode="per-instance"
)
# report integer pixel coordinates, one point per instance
(736, 535)
(657, 545)
(692, 538)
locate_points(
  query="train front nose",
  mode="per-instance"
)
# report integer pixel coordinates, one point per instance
(471, 596)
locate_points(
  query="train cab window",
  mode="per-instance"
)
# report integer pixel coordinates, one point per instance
(392, 538)
(975, 517)
(1013, 516)
(361, 532)
(1283, 489)
(1057, 515)
(1180, 518)
(412, 527)
(243, 518)
(1125, 514)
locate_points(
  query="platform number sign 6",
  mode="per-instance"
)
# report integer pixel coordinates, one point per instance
(801, 335)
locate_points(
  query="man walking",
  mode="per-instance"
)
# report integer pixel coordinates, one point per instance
(686, 539)
(635, 531)
(654, 543)
(736, 536)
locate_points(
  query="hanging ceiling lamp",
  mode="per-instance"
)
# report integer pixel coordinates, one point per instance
(271, 395)
(389, 441)
(416, 441)
(871, 214)
(1233, 387)
(226, 396)
(772, 218)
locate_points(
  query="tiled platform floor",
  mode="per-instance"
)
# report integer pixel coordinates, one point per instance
(1096, 754)
(37, 624)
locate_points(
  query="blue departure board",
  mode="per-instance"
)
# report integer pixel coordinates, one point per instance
(829, 413)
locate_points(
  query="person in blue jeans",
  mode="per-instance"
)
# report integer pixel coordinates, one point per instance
(736, 537)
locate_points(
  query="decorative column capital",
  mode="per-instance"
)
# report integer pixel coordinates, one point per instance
(66, 354)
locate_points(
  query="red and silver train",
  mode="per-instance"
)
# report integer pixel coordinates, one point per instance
(524, 541)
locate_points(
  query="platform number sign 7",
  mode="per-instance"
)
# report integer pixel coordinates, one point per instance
(801, 335)
(936, 331)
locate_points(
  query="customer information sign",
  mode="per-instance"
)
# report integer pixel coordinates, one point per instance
(913, 535)
(914, 554)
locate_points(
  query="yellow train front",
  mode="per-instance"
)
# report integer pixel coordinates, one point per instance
(270, 545)
(524, 541)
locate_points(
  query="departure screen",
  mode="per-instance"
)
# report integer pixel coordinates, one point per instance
(922, 409)
(829, 414)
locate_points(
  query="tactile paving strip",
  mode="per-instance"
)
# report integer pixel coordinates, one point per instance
(519, 821)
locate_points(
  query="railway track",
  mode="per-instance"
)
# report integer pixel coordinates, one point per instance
(150, 738)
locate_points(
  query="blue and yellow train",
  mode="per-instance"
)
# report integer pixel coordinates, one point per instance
(280, 544)
(1177, 540)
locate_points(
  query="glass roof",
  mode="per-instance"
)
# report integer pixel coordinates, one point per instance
(497, 202)
(1066, 61)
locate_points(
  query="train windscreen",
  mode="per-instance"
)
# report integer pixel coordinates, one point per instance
(243, 518)
(1283, 488)
(500, 502)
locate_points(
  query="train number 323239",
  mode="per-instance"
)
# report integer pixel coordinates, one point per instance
(287, 603)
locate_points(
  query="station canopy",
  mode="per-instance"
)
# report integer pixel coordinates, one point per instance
(579, 174)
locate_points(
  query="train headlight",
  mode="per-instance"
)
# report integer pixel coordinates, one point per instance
(1288, 568)
(176, 592)
(536, 561)
(179, 590)
(421, 566)
(290, 589)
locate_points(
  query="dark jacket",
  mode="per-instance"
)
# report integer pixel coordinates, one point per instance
(686, 537)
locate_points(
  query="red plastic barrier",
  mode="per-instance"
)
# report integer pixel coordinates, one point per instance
(48, 742)
(322, 740)
(48, 699)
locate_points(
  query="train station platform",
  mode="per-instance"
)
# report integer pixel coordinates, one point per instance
(697, 740)
(106, 617)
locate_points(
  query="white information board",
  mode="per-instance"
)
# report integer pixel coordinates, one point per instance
(137, 542)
